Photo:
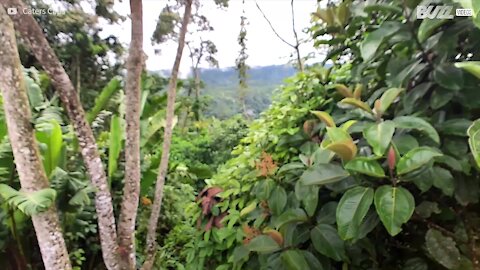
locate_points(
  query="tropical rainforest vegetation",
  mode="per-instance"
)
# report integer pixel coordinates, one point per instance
(368, 159)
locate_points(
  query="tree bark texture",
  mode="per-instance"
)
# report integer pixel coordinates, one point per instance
(32, 35)
(157, 203)
(25, 150)
(131, 189)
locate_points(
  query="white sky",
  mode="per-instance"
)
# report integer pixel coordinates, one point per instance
(264, 48)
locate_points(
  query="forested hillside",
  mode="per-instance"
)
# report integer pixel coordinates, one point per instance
(220, 88)
(369, 159)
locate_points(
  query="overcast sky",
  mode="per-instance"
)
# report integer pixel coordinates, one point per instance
(264, 48)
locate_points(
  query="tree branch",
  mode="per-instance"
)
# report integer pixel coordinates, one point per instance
(297, 44)
(273, 29)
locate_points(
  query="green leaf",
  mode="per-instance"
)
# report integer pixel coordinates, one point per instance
(474, 140)
(415, 264)
(443, 249)
(291, 215)
(321, 174)
(365, 165)
(357, 103)
(102, 100)
(427, 27)
(294, 260)
(395, 206)
(30, 203)
(115, 145)
(456, 127)
(277, 200)
(448, 76)
(416, 158)
(412, 122)
(426, 209)
(327, 213)
(263, 189)
(325, 118)
(471, 66)
(308, 195)
(248, 209)
(372, 42)
(389, 97)
(351, 211)
(326, 241)
(405, 143)
(53, 139)
(240, 253)
(443, 180)
(34, 92)
(379, 136)
(263, 244)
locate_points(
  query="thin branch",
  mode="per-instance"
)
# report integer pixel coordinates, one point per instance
(297, 45)
(273, 29)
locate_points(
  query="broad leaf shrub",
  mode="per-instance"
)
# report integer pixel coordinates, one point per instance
(363, 166)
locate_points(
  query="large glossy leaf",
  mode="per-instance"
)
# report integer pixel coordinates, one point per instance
(115, 144)
(102, 100)
(448, 76)
(308, 195)
(372, 42)
(388, 98)
(323, 173)
(325, 239)
(474, 140)
(52, 139)
(351, 211)
(416, 158)
(341, 143)
(395, 206)
(365, 165)
(325, 118)
(30, 203)
(277, 200)
(379, 136)
(443, 180)
(443, 249)
(412, 122)
(356, 103)
(427, 27)
(293, 259)
(291, 215)
(471, 66)
(263, 244)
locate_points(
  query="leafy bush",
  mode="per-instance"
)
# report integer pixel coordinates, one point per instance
(366, 166)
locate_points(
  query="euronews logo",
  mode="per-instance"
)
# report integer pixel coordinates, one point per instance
(441, 12)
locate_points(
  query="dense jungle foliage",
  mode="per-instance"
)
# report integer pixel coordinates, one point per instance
(368, 160)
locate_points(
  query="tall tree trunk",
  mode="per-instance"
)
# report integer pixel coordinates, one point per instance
(32, 34)
(25, 150)
(131, 189)
(157, 204)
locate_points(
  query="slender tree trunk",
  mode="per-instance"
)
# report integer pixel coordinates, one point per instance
(25, 151)
(157, 204)
(131, 189)
(297, 41)
(197, 92)
(32, 34)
